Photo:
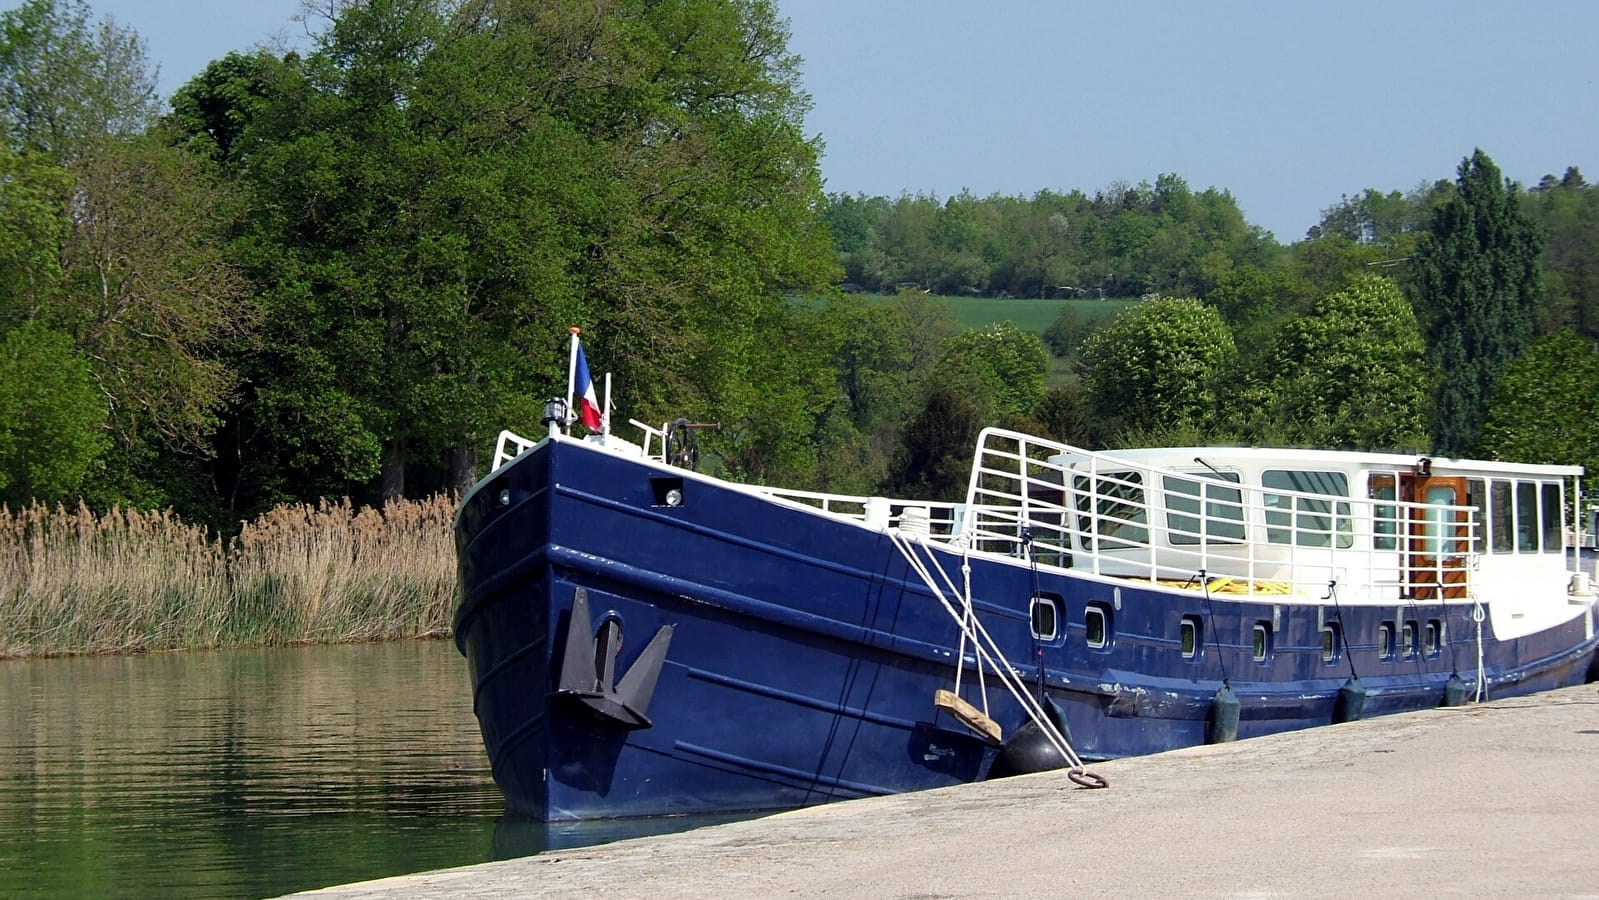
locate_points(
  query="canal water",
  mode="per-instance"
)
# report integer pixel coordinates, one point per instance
(249, 773)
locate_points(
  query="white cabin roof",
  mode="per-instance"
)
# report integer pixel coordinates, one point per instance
(1266, 457)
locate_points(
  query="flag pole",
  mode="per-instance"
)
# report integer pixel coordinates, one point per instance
(571, 377)
(605, 418)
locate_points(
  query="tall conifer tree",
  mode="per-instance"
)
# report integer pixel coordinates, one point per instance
(1479, 282)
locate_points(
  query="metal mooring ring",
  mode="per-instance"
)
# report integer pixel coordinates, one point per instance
(1087, 779)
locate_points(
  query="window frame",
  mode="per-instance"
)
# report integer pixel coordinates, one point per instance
(1114, 519)
(1551, 508)
(1261, 642)
(1387, 642)
(1384, 511)
(1223, 517)
(1090, 613)
(1331, 643)
(1053, 604)
(1293, 520)
(1190, 638)
(1502, 515)
(1529, 534)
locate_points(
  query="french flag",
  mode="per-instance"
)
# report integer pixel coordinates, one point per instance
(588, 404)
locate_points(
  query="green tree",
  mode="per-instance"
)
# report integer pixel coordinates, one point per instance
(32, 230)
(1064, 415)
(1328, 263)
(1372, 217)
(1008, 362)
(52, 417)
(1349, 374)
(872, 357)
(131, 266)
(934, 459)
(1545, 405)
(147, 294)
(446, 188)
(1040, 238)
(1567, 209)
(1478, 284)
(66, 84)
(1069, 329)
(1256, 302)
(1159, 365)
(213, 112)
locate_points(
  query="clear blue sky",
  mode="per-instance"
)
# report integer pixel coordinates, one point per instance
(1288, 105)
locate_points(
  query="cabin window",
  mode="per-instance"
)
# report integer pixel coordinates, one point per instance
(1189, 637)
(1477, 496)
(1502, 516)
(1222, 519)
(1438, 531)
(1096, 627)
(1329, 642)
(1046, 619)
(1552, 539)
(1434, 637)
(1384, 517)
(1262, 641)
(1385, 641)
(1407, 641)
(1526, 517)
(1307, 521)
(1112, 507)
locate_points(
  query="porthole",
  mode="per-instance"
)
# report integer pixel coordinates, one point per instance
(1329, 642)
(1434, 640)
(1262, 641)
(1046, 619)
(1096, 628)
(1407, 641)
(1189, 637)
(1385, 640)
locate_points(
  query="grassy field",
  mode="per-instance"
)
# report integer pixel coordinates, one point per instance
(1030, 315)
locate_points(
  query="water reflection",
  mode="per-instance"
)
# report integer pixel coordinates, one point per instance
(239, 773)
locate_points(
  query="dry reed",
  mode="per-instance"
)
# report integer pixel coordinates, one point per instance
(129, 581)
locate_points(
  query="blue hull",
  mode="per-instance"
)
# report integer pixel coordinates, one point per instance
(803, 652)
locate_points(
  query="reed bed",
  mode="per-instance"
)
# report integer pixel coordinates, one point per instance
(128, 581)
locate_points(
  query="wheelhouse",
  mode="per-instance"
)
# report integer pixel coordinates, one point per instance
(1375, 528)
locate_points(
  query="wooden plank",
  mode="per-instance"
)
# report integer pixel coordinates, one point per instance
(970, 716)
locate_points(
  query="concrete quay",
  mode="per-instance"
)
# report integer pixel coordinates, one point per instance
(1499, 799)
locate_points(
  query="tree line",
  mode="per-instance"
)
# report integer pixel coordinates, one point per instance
(1125, 240)
(339, 273)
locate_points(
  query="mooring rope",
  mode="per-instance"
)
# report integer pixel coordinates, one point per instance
(988, 653)
(1477, 615)
(1210, 614)
(1342, 635)
(1032, 565)
(1418, 646)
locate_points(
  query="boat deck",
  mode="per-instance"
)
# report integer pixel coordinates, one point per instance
(1484, 800)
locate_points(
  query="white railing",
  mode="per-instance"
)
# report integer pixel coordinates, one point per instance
(652, 435)
(1110, 516)
(942, 519)
(509, 446)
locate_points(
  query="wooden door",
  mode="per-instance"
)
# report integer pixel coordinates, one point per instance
(1437, 540)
